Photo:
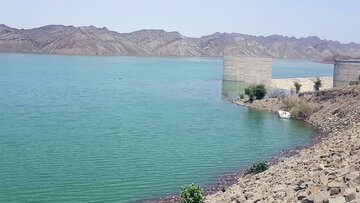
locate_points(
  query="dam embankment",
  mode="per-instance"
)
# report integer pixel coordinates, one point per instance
(306, 82)
(325, 172)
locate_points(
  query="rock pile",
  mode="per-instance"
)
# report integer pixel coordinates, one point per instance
(326, 172)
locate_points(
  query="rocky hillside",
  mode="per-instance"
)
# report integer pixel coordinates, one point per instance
(101, 41)
(326, 172)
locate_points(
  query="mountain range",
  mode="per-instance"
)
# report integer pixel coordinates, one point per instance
(90, 40)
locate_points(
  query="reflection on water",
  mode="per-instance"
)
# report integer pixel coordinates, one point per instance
(233, 90)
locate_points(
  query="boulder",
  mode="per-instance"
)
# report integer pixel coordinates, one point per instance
(337, 200)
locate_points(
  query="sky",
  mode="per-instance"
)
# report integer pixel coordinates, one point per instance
(327, 19)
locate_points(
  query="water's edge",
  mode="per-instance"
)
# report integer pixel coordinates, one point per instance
(231, 177)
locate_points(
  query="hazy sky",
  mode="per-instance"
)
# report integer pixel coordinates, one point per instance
(329, 19)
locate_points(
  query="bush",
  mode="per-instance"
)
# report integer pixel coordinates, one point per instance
(297, 86)
(317, 84)
(257, 168)
(260, 91)
(249, 91)
(192, 194)
(298, 109)
(356, 82)
(242, 96)
(256, 91)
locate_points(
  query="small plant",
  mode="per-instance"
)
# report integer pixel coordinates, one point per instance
(192, 194)
(249, 91)
(317, 84)
(297, 86)
(260, 91)
(242, 96)
(256, 91)
(257, 168)
(355, 82)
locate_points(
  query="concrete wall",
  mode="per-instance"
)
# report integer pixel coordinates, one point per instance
(346, 71)
(248, 70)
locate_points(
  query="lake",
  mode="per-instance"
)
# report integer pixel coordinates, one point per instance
(121, 129)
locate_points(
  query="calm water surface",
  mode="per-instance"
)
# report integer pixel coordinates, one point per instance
(114, 129)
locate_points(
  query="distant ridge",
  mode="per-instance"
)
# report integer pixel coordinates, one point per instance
(90, 40)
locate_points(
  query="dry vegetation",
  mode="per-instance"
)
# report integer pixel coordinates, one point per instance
(299, 109)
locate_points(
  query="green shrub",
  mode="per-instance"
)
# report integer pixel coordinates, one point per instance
(249, 91)
(317, 84)
(260, 91)
(355, 82)
(257, 168)
(256, 91)
(242, 96)
(192, 194)
(297, 86)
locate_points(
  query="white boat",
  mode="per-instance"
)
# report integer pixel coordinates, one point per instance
(284, 114)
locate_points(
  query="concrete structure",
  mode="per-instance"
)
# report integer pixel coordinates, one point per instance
(249, 70)
(346, 71)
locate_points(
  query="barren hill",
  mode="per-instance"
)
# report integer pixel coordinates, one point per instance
(91, 40)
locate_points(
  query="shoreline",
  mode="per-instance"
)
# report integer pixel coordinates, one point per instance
(231, 177)
(326, 170)
(222, 182)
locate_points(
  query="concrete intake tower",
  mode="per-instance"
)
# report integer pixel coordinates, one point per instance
(346, 71)
(250, 70)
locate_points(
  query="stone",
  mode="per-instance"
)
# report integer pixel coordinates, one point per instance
(300, 182)
(300, 197)
(319, 196)
(298, 188)
(336, 184)
(350, 197)
(334, 191)
(344, 171)
(324, 180)
(337, 200)
(349, 191)
(323, 156)
(356, 180)
(307, 201)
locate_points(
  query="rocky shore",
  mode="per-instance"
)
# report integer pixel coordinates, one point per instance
(232, 177)
(328, 171)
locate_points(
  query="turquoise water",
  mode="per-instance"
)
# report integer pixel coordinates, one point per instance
(284, 68)
(114, 129)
